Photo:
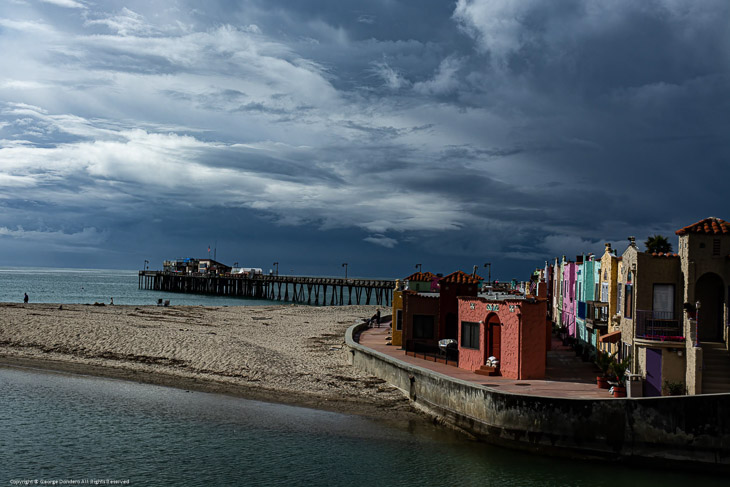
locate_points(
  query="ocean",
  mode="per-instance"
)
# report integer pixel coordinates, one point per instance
(87, 286)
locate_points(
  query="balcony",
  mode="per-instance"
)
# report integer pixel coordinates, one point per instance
(658, 326)
(596, 315)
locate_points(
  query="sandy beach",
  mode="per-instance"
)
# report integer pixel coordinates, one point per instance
(291, 354)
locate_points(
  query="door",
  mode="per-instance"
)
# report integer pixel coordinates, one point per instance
(495, 341)
(653, 384)
(709, 292)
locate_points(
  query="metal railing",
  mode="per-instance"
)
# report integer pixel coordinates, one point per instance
(597, 313)
(659, 326)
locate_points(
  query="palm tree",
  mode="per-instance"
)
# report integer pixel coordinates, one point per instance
(659, 244)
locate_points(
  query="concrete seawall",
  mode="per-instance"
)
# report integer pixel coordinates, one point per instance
(694, 430)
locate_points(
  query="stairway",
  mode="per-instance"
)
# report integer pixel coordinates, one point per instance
(487, 370)
(715, 368)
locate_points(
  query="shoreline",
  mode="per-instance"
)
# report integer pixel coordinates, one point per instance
(288, 354)
(160, 378)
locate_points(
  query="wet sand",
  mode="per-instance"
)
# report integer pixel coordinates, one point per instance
(289, 354)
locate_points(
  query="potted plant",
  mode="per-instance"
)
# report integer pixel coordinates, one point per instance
(674, 388)
(603, 361)
(618, 370)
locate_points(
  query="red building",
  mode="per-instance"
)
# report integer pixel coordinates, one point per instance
(512, 331)
(420, 321)
(429, 317)
(456, 284)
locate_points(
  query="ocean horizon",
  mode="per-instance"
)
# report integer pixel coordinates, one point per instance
(88, 286)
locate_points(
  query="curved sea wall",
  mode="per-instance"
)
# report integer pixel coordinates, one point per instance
(666, 430)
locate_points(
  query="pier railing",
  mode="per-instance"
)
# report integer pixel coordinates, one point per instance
(296, 289)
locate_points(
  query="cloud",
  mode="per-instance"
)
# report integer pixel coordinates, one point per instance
(66, 3)
(488, 124)
(497, 26)
(390, 76)
(80, 241)
(382, 240)
(444, 81)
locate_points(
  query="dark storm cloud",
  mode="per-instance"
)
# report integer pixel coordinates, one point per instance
(438, 130)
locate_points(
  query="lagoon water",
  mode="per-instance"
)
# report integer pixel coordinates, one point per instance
(86, 286)
(63, 427)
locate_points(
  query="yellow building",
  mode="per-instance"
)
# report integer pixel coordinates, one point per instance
(397, 323)
(608, 293)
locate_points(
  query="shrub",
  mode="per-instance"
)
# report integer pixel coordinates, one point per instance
(674, 388)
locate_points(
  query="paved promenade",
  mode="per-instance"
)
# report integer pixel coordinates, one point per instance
(566, 375)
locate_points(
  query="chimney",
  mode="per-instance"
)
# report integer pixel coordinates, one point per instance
(608, 248)
(632, 241)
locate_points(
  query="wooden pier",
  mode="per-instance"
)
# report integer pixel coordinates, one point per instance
(305, 290)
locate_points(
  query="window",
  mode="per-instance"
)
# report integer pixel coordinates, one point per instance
(399, 319)
(422, 326)
(628, 300)
(663, 302)
(618, 299)
(716, 247)
(470, 335)
(604, 292)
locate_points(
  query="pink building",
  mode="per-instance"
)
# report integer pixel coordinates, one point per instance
(513, 331)
(568, 291)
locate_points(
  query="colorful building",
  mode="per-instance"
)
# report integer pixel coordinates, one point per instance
(456, 284)
(511, 330)
(704, 250)
(567, 317)
(397, 321)
(650, 289)
(422, 282)
(420, 322)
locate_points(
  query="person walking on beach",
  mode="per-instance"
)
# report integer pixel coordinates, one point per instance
(25, 298)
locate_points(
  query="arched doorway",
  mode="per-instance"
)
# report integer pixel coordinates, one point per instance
(493, 337)
(709, 291)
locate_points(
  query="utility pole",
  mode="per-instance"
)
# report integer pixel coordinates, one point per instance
(418, 266)
(345, 266)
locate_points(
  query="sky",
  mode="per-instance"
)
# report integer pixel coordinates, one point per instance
(382, 134)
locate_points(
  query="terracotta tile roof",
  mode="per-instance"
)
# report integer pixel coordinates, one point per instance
(662, 254)
(460, 277)
(708, 226)
(421, 277)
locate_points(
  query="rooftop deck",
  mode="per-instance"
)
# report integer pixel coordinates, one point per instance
(567, 376)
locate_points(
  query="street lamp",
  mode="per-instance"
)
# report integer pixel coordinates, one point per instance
(276, 264)
(489, 264)
(345, 266)
(419, 267)
(146, 266)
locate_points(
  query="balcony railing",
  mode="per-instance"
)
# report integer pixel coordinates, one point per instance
(596, 314)
(659, 326)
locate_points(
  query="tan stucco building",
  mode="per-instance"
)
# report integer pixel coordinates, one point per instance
(672, 310)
